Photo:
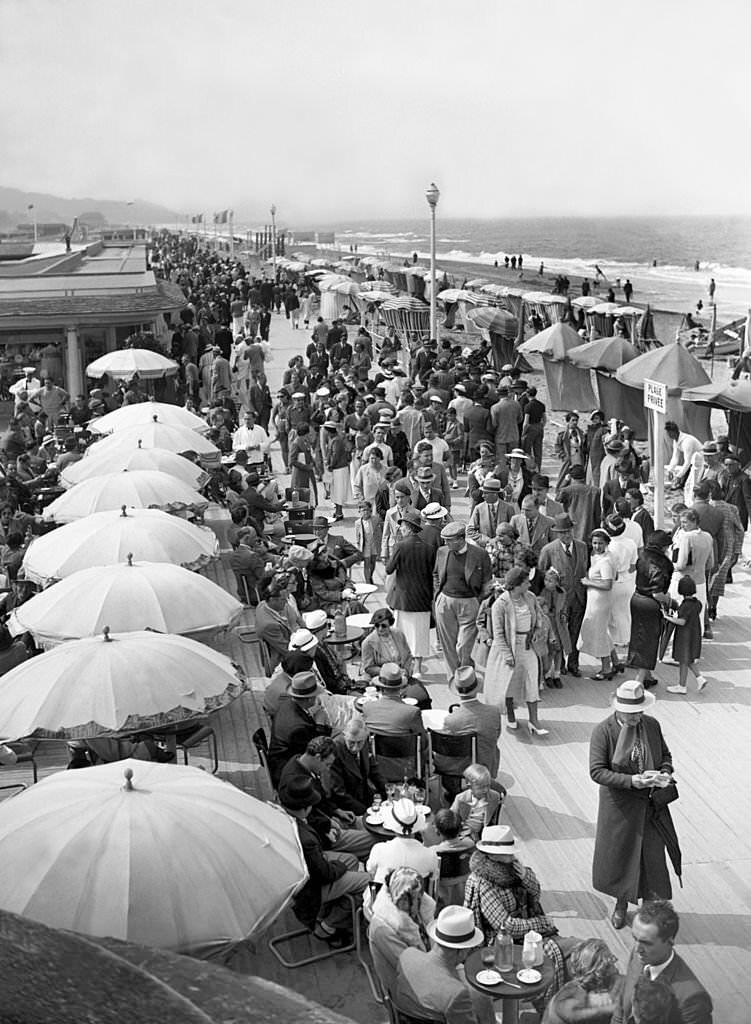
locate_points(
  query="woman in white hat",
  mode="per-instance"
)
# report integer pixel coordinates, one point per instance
(406, 849)
(631, 763)
(503, 893)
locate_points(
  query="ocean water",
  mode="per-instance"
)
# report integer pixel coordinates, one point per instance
(623, 247)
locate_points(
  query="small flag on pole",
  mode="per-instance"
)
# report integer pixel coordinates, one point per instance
(222, 217)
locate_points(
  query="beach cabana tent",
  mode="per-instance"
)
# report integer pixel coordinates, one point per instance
(501, 328)
(567, 387)
(408, 315)
(672, 365)
(605, 356)
(551, 308)
(734, 396)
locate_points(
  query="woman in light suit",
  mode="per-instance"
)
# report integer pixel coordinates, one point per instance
(513, 669)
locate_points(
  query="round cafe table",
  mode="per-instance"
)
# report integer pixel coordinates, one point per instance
(511, 996)
(339, 643)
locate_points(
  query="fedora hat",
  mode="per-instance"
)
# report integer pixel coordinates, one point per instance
(303, 684)
(710, 448)
(435, 511)
(425, 474)
(631, 697)
(465, 681)
(562, 523)
(412, 516)
(390, 676)
(455, 928)
(315, 620)
(403, 818)
(298, 793)
(615, 525)
(614, 445)
(302, 640)
(491, 483)
(497, 840)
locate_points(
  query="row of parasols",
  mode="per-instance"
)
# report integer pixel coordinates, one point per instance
(158, 854)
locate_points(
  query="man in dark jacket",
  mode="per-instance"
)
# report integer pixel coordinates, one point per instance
(322, 903)
(355, 776)
(298, 719)
(737, 486)
(654, 929)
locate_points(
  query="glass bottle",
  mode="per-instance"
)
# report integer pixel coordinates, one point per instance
(504, 951)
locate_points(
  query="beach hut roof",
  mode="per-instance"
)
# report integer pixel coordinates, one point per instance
(672, 365)
(734, 395)
(554, 342)
(603, 354)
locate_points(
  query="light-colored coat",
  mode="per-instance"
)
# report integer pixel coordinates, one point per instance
(479, 527)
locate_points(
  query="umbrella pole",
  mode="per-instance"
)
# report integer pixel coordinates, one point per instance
(712, 329)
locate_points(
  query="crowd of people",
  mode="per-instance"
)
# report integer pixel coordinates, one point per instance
(509, 596)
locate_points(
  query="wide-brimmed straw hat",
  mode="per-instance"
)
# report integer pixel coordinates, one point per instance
(402, 817)
(631, 697)
(455, 928)
(435, 510)
(390, 676)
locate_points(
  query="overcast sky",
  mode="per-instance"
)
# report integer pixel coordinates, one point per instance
(335, 109)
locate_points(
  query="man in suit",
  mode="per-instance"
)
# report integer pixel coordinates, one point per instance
(654, 929)
(639, 512)
(569, 558)
(338, 548)
(489, 513)
(298, 719)
(390, 716)
(434, 519)
(582, 502)
(461, 578)
(355, 775)
(428, 984)
(425, 492)
(506, 418)
(473, 715)
(617, 485)
(531, 528)
(424, 460)
(391, 536)
(737, 487)
(547, 506)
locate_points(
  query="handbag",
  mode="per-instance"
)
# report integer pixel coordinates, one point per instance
(663, 797)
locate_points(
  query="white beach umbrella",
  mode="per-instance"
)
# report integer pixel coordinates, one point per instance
(460, 295)
(144, 413)
(141, 488)
(128, 362)
(127, 598)
(585, 301)
(106, 538)
(156, 435)
(136, 458)
(327, 281)
(157, 854)
(345, 288)
(127, 682)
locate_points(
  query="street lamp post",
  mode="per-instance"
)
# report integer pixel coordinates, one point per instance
(432, 195)
(273, 237)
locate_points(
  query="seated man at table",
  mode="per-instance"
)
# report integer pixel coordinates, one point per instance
(299, 717)
(330, 669)
(321, 904)
(390, 716)
(247, 562)
(277, 619)
(338, 827)
(339, 549)
(258, 505)
(473, 715)
(428, 984)
(355, 775)
(292, 662)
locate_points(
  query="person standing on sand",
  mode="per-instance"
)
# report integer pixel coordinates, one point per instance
(628, 290)
(712, 288)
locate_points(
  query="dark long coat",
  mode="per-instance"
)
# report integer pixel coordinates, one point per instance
(412, 562)
(629, 858)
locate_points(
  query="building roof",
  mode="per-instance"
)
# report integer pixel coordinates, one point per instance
(92, 308)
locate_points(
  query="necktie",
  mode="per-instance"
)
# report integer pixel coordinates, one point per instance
(569, 551)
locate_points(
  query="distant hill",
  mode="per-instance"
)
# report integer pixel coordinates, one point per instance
(14, 204)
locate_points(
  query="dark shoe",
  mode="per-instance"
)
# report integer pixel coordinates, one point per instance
(557, 683)
(550, 683)
(708, 634)
(573, 670)
(340, 939)
(618, 918)
(650, 682)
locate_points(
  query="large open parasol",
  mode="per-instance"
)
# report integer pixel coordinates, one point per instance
(123, 459)
(156, 434)
(127, 362)
(163, 855)
(126, 683)
(106, 538)
(141, 488)
(144, 412)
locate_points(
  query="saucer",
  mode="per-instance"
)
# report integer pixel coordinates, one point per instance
(489, 978)
(529, 976)
(374, 819)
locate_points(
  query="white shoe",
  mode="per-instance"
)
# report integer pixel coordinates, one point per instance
(669, 661)
(454, 486)
(701, 682)
(676, 689)
(512, 725)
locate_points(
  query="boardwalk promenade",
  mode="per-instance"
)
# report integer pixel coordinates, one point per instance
(552, 803)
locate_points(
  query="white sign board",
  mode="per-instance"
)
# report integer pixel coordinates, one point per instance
(655, 396)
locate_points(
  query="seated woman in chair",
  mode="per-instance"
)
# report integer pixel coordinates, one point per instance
(401, 912)
(388, 644)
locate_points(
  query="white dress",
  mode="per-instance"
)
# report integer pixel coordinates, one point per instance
(595, 638)
(623, 554)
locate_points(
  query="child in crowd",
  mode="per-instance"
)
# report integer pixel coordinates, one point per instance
(687, 638)
(479, 804)
(553, 601)
(454, 437)
(454, 867)
(368, 533)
